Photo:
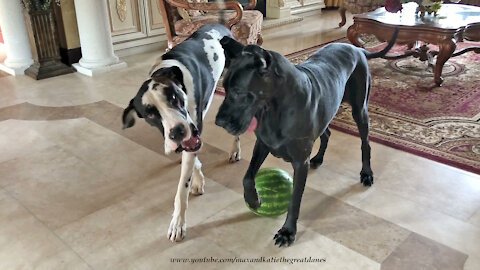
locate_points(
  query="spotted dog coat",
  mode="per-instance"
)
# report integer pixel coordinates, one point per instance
(175, 99)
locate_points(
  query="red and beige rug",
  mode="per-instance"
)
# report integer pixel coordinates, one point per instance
(409, 113)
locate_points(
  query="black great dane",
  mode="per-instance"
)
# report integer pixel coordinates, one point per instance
(294, 105)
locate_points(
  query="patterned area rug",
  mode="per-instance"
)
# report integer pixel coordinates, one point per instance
(408, 112)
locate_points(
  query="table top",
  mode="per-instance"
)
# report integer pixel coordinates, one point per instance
(450, 16)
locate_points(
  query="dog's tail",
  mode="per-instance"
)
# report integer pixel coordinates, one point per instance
(383, 52)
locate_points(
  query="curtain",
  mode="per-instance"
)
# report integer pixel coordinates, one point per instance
(332, 3)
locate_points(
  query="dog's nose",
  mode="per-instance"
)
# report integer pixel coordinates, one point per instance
(177, 133)
(220, 121)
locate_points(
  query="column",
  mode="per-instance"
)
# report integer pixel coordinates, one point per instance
(17, 46)
(95, 38)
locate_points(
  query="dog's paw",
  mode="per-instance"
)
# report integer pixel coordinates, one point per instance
(177, 230)
(315, 163)
(198, 187)
(366, 179)
(252, 199)
(284, 237)
(234, 157)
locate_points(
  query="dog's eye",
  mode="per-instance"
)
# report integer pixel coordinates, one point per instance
(174, 101)
(234, 95)
(151, 111)
(244, 98)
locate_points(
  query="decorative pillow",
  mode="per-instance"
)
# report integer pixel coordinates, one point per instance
(188, 14)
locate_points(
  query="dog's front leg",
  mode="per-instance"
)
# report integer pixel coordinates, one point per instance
(260, 153)
(178, 226)
(286, 235)
(198, 180)
(235, 153)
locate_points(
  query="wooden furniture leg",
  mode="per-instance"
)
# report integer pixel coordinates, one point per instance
(342, 11)
(354, 36)
(447, 47)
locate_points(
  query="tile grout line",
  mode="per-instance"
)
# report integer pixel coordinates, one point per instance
(401, 243)
(46, 227)
(428, 208)
(96, 170)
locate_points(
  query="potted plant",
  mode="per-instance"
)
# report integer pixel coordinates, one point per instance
(42, 33)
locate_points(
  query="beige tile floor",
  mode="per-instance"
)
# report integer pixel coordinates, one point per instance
(77, 192)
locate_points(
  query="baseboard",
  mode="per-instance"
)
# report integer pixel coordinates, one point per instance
(308, 9)
(157, 43)
(70, 56)
(272, 23)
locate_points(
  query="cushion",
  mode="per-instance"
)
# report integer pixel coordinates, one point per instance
(246, 31)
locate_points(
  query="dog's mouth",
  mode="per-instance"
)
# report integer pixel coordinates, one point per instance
(238, 130)
(193, 144)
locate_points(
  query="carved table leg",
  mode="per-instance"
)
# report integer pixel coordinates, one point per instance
(447, 47)
(342, 11)
(354, 36)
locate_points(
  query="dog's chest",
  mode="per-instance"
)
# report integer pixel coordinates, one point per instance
(276, 143)
(283, 143)
(281, 152)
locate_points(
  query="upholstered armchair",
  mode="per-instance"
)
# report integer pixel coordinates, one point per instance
(244, 22)
(358, 6)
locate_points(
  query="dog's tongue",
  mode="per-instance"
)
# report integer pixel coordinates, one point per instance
(253, 125)
(191, 143)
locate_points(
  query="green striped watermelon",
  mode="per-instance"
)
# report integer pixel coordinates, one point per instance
(275, 187)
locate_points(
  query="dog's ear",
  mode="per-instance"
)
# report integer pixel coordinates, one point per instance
(264, 62)
(262, 59)
(128, 117)
(231, 47)
(173, 73)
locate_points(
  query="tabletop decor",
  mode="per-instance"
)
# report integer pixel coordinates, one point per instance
(424, 6)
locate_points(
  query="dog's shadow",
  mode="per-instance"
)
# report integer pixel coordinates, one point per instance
(204, 227)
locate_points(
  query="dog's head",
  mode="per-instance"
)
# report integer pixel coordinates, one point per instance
(162, 101)
(250, 82)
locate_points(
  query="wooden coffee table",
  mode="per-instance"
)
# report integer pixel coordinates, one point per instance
(454, 23)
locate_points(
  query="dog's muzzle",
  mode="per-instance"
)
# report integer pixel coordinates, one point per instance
(226, 124)
(192, 144)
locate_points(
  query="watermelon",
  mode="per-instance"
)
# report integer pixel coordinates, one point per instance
(275, 188)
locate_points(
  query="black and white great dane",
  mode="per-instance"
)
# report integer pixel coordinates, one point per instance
(175, 100)
(294, 105)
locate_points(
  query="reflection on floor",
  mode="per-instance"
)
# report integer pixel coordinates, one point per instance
(78, 192)
(3, 74)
